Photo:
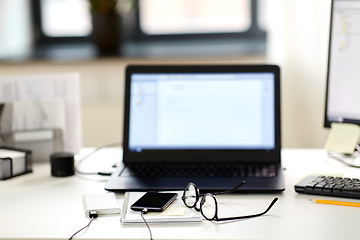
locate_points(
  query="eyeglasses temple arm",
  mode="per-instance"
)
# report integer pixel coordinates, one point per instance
(231, 190)
(249, 216)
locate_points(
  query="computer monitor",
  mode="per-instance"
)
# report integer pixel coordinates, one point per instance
(343, 78)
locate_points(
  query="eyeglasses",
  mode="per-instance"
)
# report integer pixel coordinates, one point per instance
(208, 203)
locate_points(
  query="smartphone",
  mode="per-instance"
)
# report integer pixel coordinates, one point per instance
(154, 201)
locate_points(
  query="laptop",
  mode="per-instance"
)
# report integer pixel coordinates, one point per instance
(213, 125)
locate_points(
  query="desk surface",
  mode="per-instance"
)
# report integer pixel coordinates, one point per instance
(38, 206)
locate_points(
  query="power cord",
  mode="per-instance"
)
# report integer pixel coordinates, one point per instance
(92, 215)
(357, 148)
(342, 161)
(144, 211)
(87, 156)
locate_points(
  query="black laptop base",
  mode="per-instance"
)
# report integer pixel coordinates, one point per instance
(205, 184)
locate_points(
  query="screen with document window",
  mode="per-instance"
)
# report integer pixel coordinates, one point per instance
(343, 80)
(202, 111)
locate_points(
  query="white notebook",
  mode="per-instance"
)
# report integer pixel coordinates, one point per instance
(177, 212)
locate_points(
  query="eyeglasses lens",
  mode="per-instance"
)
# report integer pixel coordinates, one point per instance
(190, 195)
(208, 206)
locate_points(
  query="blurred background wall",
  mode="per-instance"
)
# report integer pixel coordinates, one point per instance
(296, 39)
(298, 42)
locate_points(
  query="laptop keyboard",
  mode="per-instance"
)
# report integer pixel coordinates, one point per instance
(200, 170)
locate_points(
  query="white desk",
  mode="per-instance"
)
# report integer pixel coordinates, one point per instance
(38, 206)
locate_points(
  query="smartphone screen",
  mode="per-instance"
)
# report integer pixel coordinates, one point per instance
(154, 201)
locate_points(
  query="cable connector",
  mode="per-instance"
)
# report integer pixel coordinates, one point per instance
(144, 211)
(104, 173)
(93, 214)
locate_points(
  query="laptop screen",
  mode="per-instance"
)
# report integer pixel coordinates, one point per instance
(201, 111)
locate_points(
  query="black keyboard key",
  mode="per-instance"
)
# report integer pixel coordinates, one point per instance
(328, 187)
(337, 188)
(355, 180)
(310, 186)
(319, 186)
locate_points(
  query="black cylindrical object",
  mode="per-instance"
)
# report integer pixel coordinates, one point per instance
(62, 164)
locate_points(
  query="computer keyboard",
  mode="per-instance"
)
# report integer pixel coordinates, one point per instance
(200, 170)
(329, 186)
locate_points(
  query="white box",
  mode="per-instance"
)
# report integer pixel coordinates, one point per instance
(14, 162)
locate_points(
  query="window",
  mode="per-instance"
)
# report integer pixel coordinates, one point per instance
(71, 18)
(161, 21)
(164, 17)
(65, 18)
